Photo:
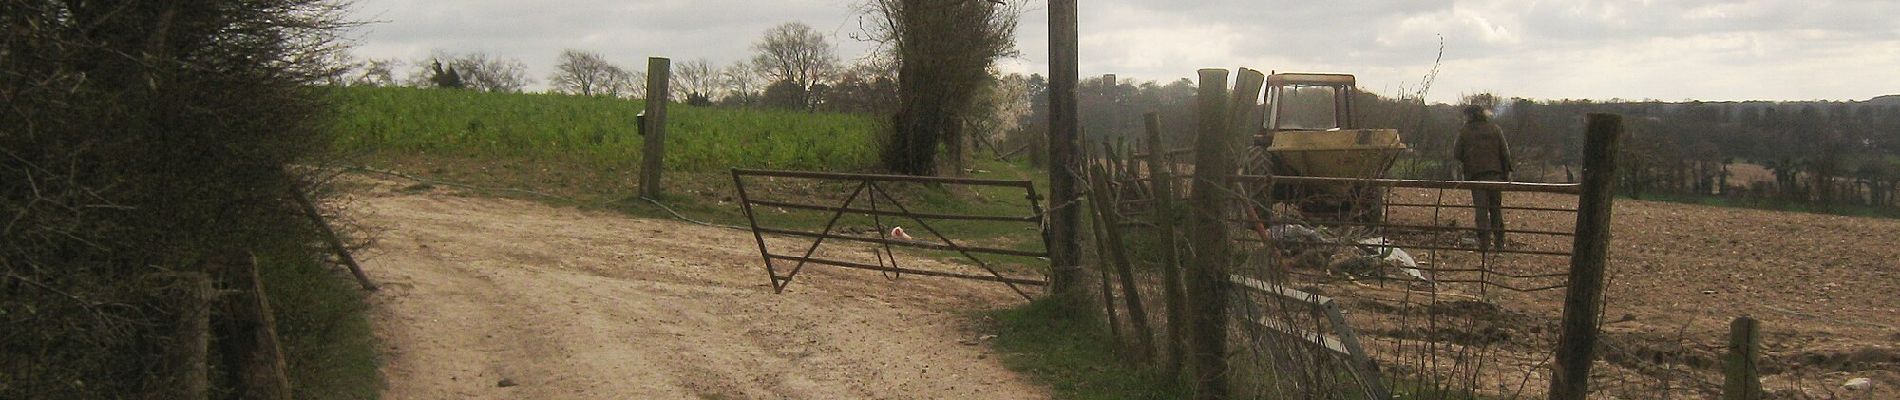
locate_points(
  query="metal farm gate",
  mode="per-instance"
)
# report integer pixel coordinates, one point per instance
(871, 211)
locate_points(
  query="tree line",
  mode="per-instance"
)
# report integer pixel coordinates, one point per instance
(792, 67)
(1825, 152)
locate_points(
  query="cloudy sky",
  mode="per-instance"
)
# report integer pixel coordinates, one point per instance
(1632, 49)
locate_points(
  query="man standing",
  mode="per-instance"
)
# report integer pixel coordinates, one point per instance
(1484, 156)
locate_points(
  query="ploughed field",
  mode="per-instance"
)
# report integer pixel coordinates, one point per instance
(1825, 288)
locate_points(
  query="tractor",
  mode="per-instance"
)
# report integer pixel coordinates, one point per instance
(1305, 135)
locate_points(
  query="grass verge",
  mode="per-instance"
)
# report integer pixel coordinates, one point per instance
(1073, 355)
(323, 323)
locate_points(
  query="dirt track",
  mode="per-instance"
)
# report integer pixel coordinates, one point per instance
(563, 303)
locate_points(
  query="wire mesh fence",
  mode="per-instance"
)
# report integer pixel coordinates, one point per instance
(1380, 288)
(1441, 312)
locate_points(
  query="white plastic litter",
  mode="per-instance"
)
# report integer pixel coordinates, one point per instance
(1406, 263)
(1858, 384)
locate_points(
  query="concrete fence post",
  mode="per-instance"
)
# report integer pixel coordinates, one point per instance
(653, 157)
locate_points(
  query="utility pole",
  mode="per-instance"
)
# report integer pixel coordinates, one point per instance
(1065, 246)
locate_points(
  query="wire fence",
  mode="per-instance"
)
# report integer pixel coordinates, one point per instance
(1380, 288)
(1342, 288)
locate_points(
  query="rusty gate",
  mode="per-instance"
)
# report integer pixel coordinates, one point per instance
(871, 196)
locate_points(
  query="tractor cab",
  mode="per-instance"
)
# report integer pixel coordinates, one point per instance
(1309, 102)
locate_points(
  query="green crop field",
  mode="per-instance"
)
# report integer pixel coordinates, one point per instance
(595, 131)
(588, 150)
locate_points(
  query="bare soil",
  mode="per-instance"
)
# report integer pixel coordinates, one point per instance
(1824, 287)
(489, 298)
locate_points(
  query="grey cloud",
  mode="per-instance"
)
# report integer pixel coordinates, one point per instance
(1579, 48)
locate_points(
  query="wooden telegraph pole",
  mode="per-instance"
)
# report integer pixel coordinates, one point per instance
(1583, 298)
(1065, 246)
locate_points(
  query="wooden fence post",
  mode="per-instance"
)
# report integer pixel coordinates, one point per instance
(1161, 183)
(1743, 379)
(189, 376)
(1208, 238)
(1065, 246)
(1108, 284)
(1583, 297)
(331, 238)
(1103, 201)
(653, 158)
(250, 344)
(1217, 154)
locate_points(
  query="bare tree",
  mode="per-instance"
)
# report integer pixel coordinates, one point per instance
(335, 68)
(741, 83)
(868, 88)
(625, 84)
(696, 80)
(478, 71)
(377, 72)
(491, 74)
(795, 53)
(587, 74)
(944, 49)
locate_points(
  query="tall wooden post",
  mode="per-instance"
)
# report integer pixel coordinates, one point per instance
(1161, 183)
(187, 359)
(1742, 380)
(1065, 216)
(653, 158)
(1583, 298)
(1207, 238)
(1217, 151)
(1101, 257)
(252, 350)
(1103, 202)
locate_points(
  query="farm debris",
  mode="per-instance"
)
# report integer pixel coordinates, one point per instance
(1858, 384)
(1296, 233)
(976, 340)
(1311, 249)
(1396, 257)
